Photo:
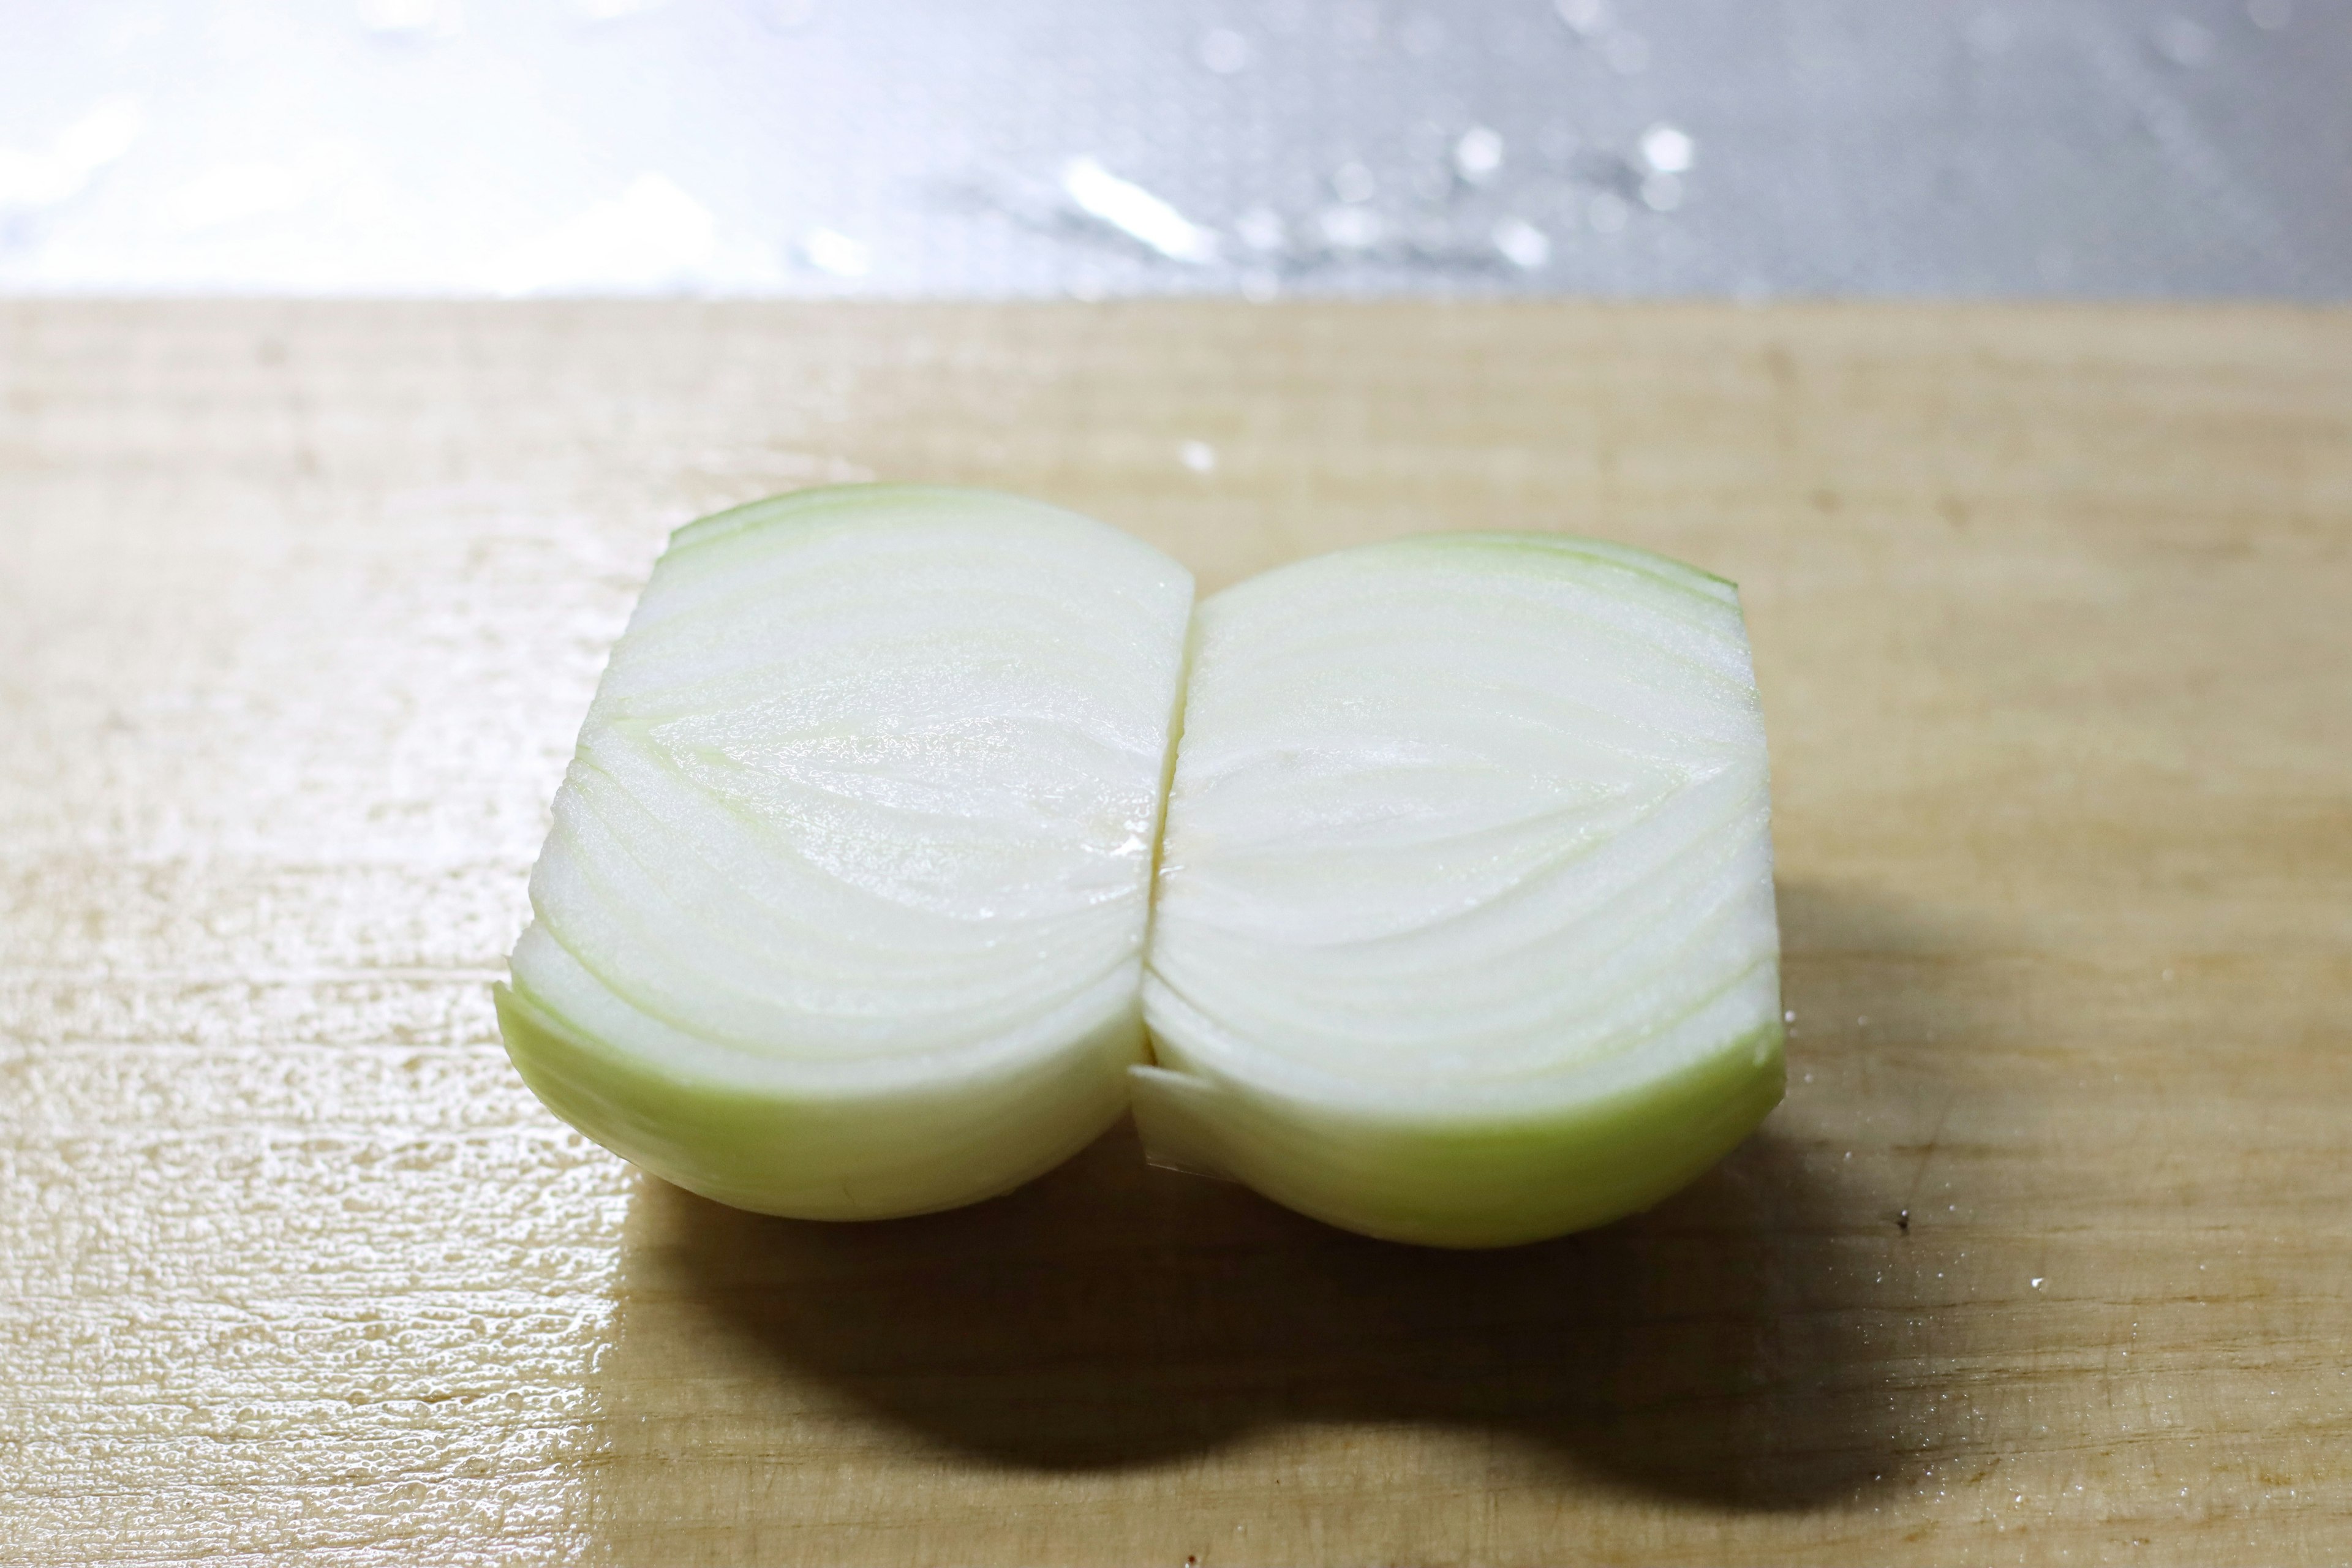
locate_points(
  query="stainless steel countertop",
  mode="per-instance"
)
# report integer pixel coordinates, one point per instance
(1262, 147)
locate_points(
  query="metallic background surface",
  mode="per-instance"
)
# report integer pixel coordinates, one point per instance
(1041, 148)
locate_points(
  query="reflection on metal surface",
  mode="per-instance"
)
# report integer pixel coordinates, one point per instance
(416, 19)
(233, 193)
(1522, 244)
(1668, 149)
(408, 146)
(1128, 208)
(30, 181)
(1478, 156)
(2184, 42)
(830, 250)
(1224, 51)
(653, 237)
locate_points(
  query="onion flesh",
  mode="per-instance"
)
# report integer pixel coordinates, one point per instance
(1463, 930)
(842, 914)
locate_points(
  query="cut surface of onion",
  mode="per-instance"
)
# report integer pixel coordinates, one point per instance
(843, 910)
(1465, 929)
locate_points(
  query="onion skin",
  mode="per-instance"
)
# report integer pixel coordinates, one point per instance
(784, 1150)
(1482, 1185)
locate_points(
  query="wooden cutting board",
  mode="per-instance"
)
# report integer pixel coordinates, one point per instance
(2047, 1258)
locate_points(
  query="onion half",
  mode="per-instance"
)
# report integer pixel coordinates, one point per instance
(843, 910)
(1464, 932)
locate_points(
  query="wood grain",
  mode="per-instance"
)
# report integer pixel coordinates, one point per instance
(2048, 1257)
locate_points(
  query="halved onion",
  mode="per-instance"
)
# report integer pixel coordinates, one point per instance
(843, 912)
(1465, 927)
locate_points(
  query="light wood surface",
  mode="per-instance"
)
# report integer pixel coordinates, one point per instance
(2047, 1258)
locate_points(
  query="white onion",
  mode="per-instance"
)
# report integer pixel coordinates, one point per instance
(1465, 932)
(843, 912)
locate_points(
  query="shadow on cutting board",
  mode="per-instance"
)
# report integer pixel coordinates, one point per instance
(1110, 1315)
